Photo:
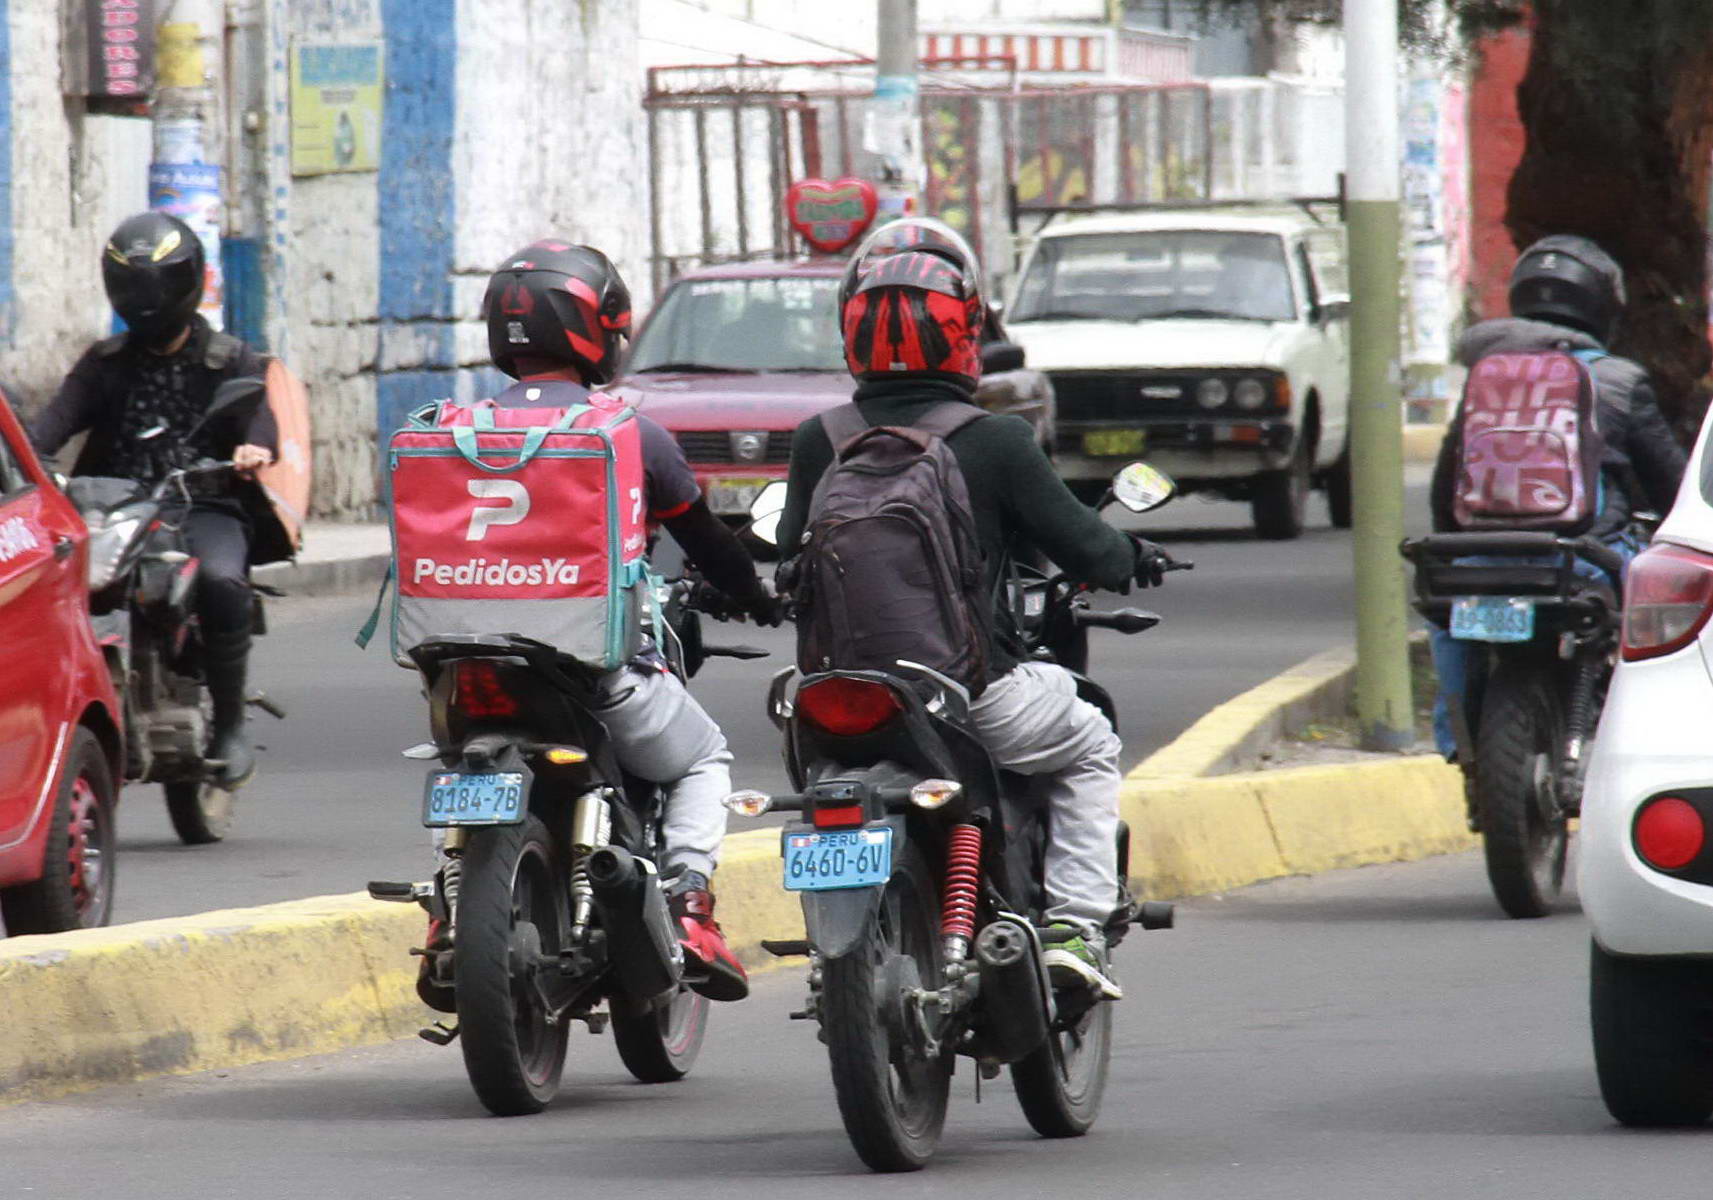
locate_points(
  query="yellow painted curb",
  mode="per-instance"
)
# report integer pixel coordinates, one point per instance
(1232, 736)
(213, 990)
(246, 985)
(1193, 836)
(1422, 442)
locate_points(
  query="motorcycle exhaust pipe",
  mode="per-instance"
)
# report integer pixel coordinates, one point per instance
(642, 947)
(1013, 989)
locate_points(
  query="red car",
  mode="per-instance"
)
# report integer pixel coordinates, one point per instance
(734, 357)
(60, 743)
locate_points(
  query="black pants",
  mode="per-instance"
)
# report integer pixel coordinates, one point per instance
(220, 539)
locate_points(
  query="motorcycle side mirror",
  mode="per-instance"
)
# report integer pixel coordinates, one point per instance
(1142, 488)
(766, 510)
(236, 399)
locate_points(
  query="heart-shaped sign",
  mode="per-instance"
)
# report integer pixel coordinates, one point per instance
(831, 216)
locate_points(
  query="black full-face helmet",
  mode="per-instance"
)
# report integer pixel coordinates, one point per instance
(153, 269)
(558, 302)
(1569, 280)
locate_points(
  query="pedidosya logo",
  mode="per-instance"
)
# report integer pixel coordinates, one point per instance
(507, 503)
(505, 572)
(514, 506)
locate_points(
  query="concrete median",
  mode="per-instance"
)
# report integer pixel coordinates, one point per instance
(246, 985)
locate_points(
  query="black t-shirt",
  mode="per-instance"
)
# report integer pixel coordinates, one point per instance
(672, 486)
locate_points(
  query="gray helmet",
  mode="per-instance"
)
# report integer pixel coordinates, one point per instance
(1569, 280)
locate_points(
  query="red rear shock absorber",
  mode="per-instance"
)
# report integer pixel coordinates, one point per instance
(963, 881)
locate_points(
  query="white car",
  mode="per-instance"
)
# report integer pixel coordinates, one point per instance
(1646, 854)
(1212, 342)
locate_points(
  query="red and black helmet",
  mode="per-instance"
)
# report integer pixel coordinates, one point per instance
(911, 304)
(557, 302)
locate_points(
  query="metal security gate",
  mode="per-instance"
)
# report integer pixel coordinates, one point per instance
(726, 141)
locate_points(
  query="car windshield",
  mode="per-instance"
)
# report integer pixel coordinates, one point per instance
(1157, 276)
(772, 323)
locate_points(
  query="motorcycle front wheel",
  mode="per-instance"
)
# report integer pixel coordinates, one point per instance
(659, 1040)
(1060, 1084)
(511, 913)
(892, 1086)
(1519, 761)
(201, 813)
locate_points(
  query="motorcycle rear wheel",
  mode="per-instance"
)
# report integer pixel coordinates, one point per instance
(892, 1095)
(659, 1042)
(511, 910)
(1061, 1083)
(1519, 756)
(201, 813)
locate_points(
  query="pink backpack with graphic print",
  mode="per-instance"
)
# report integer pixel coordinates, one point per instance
(1531, 449)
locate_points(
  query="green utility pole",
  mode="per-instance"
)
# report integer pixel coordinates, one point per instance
(894, 119)
(1383, 705)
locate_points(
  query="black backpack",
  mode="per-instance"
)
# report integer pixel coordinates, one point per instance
(890, 566)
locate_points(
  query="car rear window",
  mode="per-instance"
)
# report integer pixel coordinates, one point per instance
(771, 323)
(1159, 274)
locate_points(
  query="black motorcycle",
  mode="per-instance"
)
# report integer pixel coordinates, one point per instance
(549, 908)
(919, 864)
(1548, 635)
(142, 580)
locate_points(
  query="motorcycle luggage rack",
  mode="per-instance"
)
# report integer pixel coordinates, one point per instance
(1440, 577)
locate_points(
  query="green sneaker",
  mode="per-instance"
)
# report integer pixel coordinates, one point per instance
(1075, 960)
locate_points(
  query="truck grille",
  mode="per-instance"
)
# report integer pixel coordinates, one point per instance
(715, 446)
(1118, 395)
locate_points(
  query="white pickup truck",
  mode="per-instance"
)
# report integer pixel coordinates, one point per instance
(1211, 342)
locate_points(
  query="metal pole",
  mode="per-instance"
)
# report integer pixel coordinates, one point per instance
(185, 176)
(1376, 429)
(894, 121)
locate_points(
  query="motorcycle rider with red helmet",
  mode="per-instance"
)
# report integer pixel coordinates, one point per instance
(557, 317)
(911, 309)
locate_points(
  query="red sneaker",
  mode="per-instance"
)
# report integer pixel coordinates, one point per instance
(721, 976)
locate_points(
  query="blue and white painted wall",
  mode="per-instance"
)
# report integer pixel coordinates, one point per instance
(504, 121)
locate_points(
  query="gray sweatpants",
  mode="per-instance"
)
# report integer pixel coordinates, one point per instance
(661, 734)
(1033, 723)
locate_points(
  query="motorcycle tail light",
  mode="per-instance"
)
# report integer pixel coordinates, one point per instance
(847, 707)
(838, 816)
(1668, 596)
(1669, 832)
(478, 690)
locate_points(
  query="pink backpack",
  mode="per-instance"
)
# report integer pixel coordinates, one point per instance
(1531, 449)
(520, 520)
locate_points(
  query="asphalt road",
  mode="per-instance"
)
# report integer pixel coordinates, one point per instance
(334, 805)
(1373, 1033)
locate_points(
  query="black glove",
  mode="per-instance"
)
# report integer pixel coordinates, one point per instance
(765, 608)
(1151, 562)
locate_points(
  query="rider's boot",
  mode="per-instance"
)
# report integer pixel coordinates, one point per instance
(722, 977)
(225, 669)
(1075, 958)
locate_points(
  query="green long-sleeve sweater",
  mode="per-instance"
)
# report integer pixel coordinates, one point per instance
(1020, 502)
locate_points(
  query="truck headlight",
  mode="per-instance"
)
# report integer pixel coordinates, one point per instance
(1213, 393)
(1250, 394)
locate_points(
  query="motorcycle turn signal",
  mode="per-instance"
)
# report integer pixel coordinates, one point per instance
(748, 803)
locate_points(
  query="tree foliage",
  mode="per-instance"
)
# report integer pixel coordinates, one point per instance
(1617, 107)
